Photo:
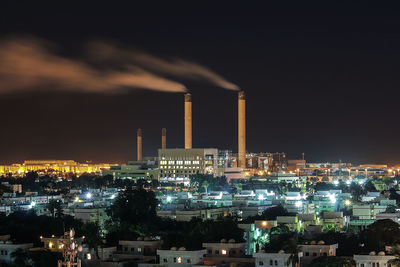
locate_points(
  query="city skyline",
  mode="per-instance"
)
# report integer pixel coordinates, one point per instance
(318, 80)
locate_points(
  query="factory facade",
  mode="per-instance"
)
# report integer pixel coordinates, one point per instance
(177, 164)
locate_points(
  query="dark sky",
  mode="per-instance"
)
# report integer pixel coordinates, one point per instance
(320, 79)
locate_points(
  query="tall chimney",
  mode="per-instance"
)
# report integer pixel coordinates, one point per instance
(163, 138)
(188, 121)
(139, 144)
(241, 130)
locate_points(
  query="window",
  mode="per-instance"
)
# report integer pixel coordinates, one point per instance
(179, 259)
(188, 260)
(377, 264)
(271, 262)
(217, 252)
(165, 260)
(325, 254)
(276, 262)
(314, 254)
(132, 249)
(362, 265)
(223, 252)
(174, 259)
(209, 251)
(261, 263)
(307, 254)
(373, 264)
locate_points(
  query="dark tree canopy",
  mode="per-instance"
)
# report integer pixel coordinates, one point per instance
(134, 206)
(380, 234)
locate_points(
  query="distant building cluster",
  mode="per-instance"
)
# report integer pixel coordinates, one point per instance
(52, 167)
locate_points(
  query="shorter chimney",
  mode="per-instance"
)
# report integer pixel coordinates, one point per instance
(139, 145)
(163, 138)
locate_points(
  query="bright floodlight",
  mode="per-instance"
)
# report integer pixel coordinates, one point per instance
(336, 182)
(332, 198)
(347, 202)
(348, 182)
(33, 203)
(88, 195)
(112, 196)
(298, 204)
(261, 197)
(169, 198)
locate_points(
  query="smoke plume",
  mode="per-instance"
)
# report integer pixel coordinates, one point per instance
(175, 67)
(29, 63)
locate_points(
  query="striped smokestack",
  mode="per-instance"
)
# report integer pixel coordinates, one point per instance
(163, 138)
(241, 130)
(188, 121)
(139, 145)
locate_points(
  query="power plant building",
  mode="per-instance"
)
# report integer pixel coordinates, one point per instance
(177, 164)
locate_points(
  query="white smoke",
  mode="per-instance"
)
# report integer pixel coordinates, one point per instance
(175, 67)
(28, 63)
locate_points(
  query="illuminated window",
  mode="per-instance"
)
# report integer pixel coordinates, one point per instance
(223, 252)
(50, 244)
(171, 162)
(187, 162)
(179, 260)
(88, 256)
(139, 249)
(179, 162)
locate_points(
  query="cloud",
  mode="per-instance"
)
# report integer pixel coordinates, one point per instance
(29, 63)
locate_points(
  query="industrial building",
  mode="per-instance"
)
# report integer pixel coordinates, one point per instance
(177, 164)
(134, 170)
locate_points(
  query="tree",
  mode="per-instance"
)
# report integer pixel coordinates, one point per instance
(134, 206)
(20, 257)
(380, 234)
(291, 246)
(55, 208)
(92, 237)
(332, 261)
(395, 252)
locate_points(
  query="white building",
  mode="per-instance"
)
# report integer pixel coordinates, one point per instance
(181, 257)
(225, 249)
(315, 250)
(7, 248)
(373, 260)
(280, 259)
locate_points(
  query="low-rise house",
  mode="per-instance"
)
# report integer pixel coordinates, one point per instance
(181, 257)
(225, 249)
(7, 247)
(373, 260)
(292, 222)
(142, 246)
(368, 211)
(280, 259)
(314, 250)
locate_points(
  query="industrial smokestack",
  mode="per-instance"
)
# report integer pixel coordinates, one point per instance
(241, 130)
(139, 145)
(188, 121)
(163, 138)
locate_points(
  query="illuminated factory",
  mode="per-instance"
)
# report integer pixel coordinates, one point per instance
(179, 163)
(52, 166)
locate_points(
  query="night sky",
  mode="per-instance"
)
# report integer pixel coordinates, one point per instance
(320, 79)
